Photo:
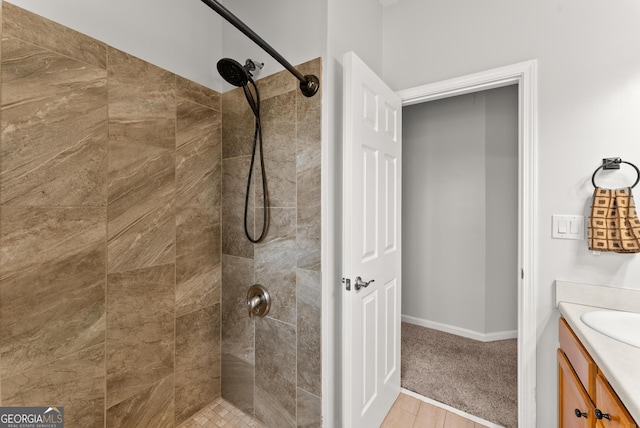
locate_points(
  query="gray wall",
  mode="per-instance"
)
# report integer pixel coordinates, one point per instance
(501, 204)
(460, 211)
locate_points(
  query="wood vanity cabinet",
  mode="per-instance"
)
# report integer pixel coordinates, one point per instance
(585, 398)
(575, 409)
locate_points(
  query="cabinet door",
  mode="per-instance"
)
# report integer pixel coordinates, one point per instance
(609, 404)
(582, 363)
(575, 408)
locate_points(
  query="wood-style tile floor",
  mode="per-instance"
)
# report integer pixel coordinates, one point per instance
(409, 412)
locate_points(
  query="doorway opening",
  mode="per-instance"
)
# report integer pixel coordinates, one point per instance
(524, 76)
(460, 241)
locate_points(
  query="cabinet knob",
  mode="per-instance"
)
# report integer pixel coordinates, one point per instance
(600, 415)
(580, 414)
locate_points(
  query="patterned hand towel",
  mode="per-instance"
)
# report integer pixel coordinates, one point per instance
(614, 224)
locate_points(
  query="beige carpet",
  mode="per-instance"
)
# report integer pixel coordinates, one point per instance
(476, 377)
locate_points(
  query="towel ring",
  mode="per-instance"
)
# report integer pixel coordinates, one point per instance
(593, 177)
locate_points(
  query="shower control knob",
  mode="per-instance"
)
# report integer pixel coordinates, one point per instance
(362, 284)
(258, 301)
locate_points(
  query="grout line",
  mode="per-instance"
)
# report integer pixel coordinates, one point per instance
(219, 249)
(106, 242)
(181, 98)
(175, 245)
(65, 55)
(310, 393)
(295, 238)
(237, 157)
(118, 272)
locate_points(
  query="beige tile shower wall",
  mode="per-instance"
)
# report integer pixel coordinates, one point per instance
(110, 231)
(271, 367)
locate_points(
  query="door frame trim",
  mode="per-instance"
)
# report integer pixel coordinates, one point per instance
(524, 74)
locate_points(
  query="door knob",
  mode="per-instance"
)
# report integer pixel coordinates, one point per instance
(580, 414)
(600, 415)
(362, 284)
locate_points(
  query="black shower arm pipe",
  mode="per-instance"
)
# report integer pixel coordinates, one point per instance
(309, 84)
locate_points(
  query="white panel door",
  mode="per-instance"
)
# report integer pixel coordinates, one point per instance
(372, 174)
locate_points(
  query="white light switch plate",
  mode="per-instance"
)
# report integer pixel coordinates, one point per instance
(568, 227)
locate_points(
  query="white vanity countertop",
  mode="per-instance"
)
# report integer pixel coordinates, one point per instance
(619, 362)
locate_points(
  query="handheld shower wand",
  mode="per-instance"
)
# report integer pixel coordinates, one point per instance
(238, 75)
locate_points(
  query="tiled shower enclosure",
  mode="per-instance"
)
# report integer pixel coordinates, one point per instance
(123, 270)
(271, 365)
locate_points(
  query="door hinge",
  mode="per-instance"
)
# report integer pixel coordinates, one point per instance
(347, 281)
(521, 273)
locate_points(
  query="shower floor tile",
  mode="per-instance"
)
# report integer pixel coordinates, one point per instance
(221, 413)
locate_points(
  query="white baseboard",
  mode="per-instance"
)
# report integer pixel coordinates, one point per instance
(470, 334)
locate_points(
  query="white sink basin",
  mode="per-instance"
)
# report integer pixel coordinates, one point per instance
(622, 326)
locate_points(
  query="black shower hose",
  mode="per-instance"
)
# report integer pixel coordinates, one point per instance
(254, 103)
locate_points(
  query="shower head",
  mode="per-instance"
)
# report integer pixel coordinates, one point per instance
(233, 72)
